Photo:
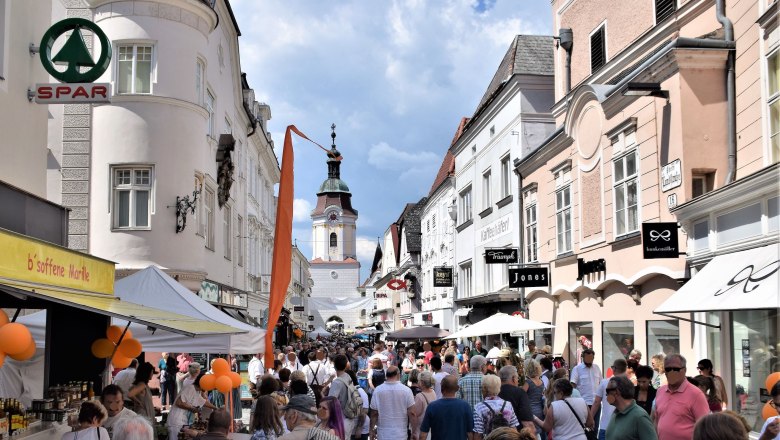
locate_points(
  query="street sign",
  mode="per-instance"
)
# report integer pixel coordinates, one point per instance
(501, 256)
(528, 277)
(81, 70)
(671, 175)
(659, 240)
(442, 277)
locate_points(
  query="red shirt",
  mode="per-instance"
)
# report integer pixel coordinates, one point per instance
(428, 357)
(678, 411)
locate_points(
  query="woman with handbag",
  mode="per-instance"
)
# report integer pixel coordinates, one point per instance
(567, 416)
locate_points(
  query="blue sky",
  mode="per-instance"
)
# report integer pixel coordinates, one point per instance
(394, 76)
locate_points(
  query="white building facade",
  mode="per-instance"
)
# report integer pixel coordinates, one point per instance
(177, 89)
(512, 118)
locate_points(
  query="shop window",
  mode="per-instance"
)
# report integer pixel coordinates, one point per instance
(662, 337)
(132, 197)
(773, 219)
(543, 337)
(701, 236)
(227, 231)
(626, 185)
(580, 338)
(134, 69)
(715, 343)
(740, 224)
(486, 190)
(664, 9)
(598, 48)
(755, 336)
(208, 217)
(464, 206)
(617, 341)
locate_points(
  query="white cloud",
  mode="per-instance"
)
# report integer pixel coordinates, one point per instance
(301, 210)
(385, 157)
(366, 247)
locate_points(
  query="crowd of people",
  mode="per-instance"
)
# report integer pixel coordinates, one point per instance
(340, 389)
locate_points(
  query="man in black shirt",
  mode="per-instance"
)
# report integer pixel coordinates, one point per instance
(512, 393)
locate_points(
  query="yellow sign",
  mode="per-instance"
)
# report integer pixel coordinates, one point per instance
(27, 259)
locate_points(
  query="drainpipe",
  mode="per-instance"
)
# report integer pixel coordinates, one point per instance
(566, 40)
(731, 118)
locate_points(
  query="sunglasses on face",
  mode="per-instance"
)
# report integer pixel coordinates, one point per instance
(674, 368)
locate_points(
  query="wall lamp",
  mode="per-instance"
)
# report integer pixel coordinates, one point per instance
(645, 89)
(184, 204)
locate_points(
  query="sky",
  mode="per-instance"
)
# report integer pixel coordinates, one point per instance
(395, 77)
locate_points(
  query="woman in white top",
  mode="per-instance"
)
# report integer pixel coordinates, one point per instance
(421, 402)
(409, 362)
(560, 417)
(91, 415)
(188, 403)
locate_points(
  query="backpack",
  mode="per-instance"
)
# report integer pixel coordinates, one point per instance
(354, 401)
(496, 419)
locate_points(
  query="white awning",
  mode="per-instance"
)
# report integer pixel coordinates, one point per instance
(462, 312)
(746, 280)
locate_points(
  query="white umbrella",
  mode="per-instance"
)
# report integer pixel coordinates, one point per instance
(498, 324)
(319, 331)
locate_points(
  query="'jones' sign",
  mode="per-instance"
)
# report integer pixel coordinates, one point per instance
(529, 277)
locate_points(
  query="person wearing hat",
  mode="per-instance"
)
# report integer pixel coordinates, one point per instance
(300, 416)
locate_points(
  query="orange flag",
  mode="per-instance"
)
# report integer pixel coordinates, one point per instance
(282, 259)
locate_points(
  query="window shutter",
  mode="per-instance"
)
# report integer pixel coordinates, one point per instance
(664, 9)
(598, 52)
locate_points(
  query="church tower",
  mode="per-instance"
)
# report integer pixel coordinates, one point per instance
(334, 266)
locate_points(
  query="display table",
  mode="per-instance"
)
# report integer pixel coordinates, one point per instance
(51, 431)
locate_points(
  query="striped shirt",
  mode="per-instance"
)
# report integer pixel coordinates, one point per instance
(471, 388)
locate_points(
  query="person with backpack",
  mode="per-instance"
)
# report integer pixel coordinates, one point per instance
(493, 412)
(346, 392)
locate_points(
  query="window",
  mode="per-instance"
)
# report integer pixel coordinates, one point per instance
(598, 49)
(531, 239)
(701, 236)
(486, 190)
(506, 177)
(617, 340)
(580, 338)
(465, 280)
(563, 219)
(132, 197)
(740, 224)
(702, 183)
(210, 109)
(333, 240)
(488, 278)
(664, 9)
(240, 240)
(200, 69)
(134, 69)
(208, 217)
(773, 92)
(625, 178)
(663, 337)
(465, 205)
(433, 221)
(227, 231)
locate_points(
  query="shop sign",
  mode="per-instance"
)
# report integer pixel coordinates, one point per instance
(528, 277)
(659, 240)
(442, 277)
(495, 229)
(311, 317)
(590, 267)
(29, 260)
(396, 284)
(298, 308)
(501, 256)
(671, 176)
(209, 291)
(81, 70)
(380, 295)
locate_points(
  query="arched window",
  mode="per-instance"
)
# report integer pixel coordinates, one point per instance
(333, 240)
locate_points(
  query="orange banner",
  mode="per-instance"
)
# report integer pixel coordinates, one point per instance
(282, 258)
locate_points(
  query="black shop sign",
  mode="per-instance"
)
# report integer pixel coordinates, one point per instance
(501, 256)
(659, 240)
(590, 267)
(311, 317)
(442, 277)
(529, 277)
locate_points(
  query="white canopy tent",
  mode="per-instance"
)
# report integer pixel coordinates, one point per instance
(153, 287)
(498, 324)
(319, 332)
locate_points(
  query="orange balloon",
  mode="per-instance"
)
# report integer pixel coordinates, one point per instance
(768, 411)
(235, 378)
(114, 332)
(2, 359)
(771, 380)
(14, 338)
(102, 348)
(224, 384)
(3, 318)
(27, 354)
(120, 361)
(207, 382)
(130, 348)
(220, 367)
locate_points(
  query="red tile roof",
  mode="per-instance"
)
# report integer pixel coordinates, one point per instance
(319, 260)
(447, 167)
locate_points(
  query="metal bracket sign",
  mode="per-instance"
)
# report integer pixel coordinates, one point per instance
(659, 240)
(501, 256)
(79, 87)
(442, 276)
(529, 277)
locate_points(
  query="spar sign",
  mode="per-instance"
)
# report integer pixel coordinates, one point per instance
(73, 65)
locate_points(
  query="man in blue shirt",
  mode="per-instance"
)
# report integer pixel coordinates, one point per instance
(448, 418)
